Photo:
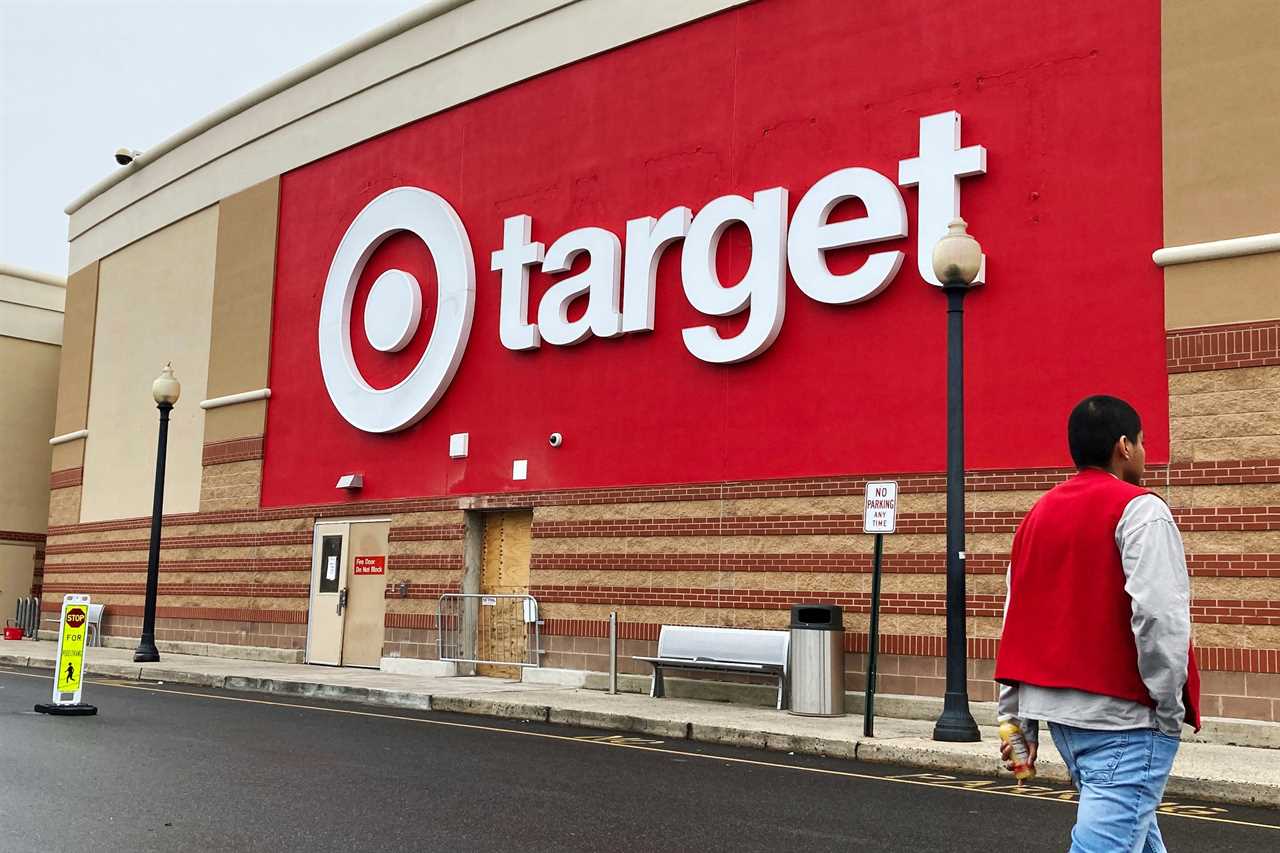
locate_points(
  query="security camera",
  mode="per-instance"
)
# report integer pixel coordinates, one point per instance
(555, 439)
(125, 156)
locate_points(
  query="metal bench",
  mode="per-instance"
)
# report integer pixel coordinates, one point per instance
(742, 651)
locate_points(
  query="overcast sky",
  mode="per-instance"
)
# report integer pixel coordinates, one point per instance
(81, 78)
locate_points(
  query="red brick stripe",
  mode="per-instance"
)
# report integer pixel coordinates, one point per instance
(1203, 610)
(252, 590)
(421, 621)
(930, 563)
(421, 590)
(256, 564)
(816, 561)
(1223, 347)
(1222, 473)
(234, 450)
(768, 525)
(66, 478)
(227, 540)
(427, 533)
(218, 614)
(1190, 519)
(920, 604)
(21, 536)
(425, 561)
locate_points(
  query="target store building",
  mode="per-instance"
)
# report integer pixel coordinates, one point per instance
(619, 306)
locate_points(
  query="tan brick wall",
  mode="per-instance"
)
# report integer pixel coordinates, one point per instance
(234, 485)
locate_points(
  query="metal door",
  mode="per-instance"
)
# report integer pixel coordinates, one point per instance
(328, 593)
(504, 570)
(366, 597)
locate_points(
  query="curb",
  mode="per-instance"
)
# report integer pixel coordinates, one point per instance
(868, 750)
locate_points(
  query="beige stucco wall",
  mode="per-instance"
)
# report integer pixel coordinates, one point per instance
(154, 302)
(240, 337)
(28, 397)
(16, 563)
(1220, 176)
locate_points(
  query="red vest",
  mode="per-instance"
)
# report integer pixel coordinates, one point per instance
(1069, 616)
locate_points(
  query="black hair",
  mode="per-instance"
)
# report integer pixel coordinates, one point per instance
(1094, 427)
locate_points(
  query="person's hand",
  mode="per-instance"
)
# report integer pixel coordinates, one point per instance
(1006, 755)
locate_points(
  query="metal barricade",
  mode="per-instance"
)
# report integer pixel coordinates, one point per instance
(489, 629)
(27, 617)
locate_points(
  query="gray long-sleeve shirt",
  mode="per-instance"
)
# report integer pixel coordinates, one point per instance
(1155, 569)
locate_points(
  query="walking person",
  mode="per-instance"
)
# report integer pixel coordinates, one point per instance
(1097, 632)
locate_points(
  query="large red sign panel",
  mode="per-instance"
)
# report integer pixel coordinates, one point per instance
(1064, 98)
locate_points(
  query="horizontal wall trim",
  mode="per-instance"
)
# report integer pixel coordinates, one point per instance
(233, 399)
(1203, 610)
(223, 540)
(68, 437)
(1236, 247)
(232, 450)
(427, 533)
(22, 536)
(246, 590)
(431, 591)
(851, 562)
(219, 614)
(32, 275)
(419, 621)
(30, 323)
(66, 478)
(1189, 519)
(1226, 347)
(248, 564)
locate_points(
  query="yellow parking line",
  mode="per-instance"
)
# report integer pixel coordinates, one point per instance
(619, 745)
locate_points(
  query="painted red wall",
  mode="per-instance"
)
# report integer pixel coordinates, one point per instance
(1065, 97)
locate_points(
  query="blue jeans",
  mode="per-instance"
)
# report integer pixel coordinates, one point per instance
(1121, 777)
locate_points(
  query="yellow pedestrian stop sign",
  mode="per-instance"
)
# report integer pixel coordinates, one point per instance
(68, 677)
(73, 627)
(71, 646)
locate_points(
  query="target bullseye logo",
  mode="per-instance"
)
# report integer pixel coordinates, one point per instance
(394, 310)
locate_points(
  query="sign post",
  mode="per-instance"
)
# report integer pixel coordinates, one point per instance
(879, 514)
(68, 673)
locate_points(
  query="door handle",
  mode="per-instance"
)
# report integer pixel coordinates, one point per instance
(342, 600)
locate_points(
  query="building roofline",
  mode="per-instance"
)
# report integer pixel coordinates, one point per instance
(389, 30)
(31, 275)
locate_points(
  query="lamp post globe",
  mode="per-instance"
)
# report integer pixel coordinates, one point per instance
(165, 390)
(957, 260)
(957, 257)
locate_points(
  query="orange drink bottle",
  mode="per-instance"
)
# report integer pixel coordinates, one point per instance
(1011, 733)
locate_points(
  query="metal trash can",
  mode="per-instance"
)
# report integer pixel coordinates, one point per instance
(816, 668)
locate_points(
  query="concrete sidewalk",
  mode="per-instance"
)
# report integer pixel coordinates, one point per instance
(1207, 771)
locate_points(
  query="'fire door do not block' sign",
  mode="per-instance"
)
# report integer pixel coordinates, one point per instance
(880, 509)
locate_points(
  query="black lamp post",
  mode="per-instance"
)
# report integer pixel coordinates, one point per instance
(165, 390)
(957, 259)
